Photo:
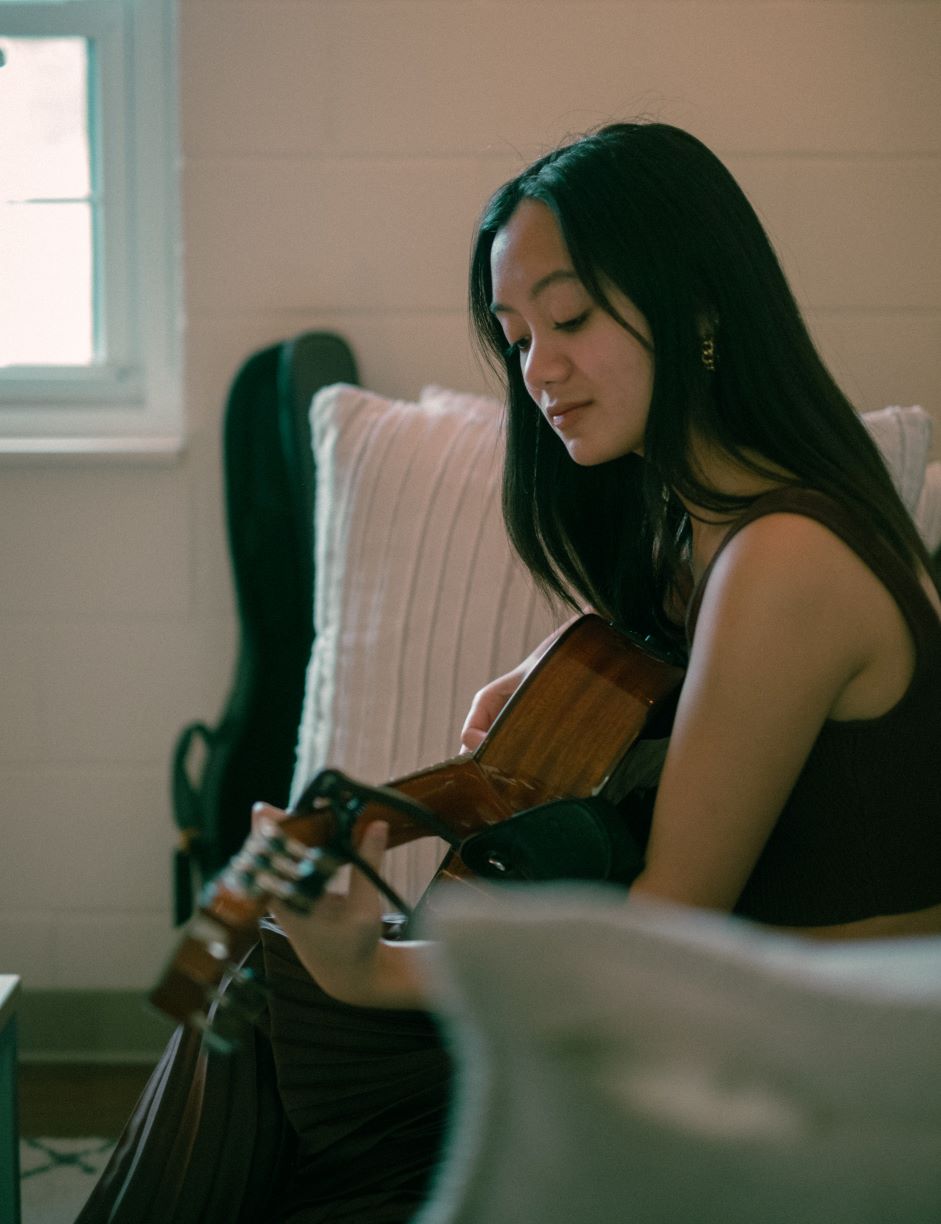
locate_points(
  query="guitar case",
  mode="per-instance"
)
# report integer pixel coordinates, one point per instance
(219, 771)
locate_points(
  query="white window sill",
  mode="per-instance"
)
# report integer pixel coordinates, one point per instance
(159, 448)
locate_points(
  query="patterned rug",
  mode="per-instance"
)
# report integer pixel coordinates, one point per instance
(57, 1176)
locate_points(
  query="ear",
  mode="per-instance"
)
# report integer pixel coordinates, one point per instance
(707, 323)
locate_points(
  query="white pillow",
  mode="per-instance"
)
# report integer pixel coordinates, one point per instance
(419, 600)
(928, 510)
(903, 435)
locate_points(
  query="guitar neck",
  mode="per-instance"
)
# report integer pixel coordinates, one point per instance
(564, 733)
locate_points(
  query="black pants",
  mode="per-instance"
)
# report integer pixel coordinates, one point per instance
(325, 1113)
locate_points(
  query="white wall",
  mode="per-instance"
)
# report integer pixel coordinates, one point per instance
(335, 155)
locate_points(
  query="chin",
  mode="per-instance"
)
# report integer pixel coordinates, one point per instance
(592, 456)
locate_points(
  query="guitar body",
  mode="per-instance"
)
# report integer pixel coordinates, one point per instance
(568, 731)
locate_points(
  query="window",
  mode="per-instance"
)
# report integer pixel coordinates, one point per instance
(89, 296)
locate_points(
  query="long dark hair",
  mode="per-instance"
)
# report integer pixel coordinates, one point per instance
(649, 209)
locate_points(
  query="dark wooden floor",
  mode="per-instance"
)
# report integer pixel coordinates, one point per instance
(63, 1100)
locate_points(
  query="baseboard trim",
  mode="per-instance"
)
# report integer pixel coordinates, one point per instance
(88, 1026)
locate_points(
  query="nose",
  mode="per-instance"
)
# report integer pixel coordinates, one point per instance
(545, 365)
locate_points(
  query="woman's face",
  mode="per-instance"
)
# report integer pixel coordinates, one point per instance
(590, 377)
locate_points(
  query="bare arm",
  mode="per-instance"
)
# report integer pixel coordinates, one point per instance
(783, 632)
(339, 942)
(791, 622)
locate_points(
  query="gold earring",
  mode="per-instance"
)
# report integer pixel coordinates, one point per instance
(708, 353)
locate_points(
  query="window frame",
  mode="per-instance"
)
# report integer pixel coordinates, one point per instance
(131, 401)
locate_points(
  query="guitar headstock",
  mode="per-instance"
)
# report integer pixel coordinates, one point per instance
(202, 971)
(205, 985)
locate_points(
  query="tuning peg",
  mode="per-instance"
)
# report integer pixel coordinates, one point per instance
(271, 864)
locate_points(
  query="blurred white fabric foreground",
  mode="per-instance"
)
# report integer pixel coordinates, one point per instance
(664, 1066)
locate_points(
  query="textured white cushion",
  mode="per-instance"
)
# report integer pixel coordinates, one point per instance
(903, 435)
(928, 510)
(418, 598)
(658, 1065)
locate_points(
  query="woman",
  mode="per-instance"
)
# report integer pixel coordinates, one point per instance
(679, 459)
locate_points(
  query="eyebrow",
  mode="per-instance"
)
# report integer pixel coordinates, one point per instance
(551, 278)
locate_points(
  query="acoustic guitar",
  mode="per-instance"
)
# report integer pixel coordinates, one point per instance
(575, 727)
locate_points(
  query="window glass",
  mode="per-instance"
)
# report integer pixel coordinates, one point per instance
(89, 228)
(46, 203)
(46, 303)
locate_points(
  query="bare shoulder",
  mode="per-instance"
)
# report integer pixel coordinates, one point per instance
(790, 579)
(769, 661)
(790, 537)
(792, 563)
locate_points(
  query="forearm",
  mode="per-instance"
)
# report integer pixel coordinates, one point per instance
(346, 957)
(400, 980)
(392, 978)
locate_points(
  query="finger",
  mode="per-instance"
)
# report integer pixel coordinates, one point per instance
(469, 721)
(479, 717)
(371, 849)
(374, 842)
(265, 811)
(471, 738)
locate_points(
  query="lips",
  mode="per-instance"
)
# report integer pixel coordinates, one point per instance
(559, 415)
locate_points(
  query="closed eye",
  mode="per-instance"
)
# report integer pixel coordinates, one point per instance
(571, 325)
(566, 325)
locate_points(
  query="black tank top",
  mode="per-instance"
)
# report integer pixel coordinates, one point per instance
(860, 834)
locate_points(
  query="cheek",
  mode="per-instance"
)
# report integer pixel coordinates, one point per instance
(635, 373)
(532, 387)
